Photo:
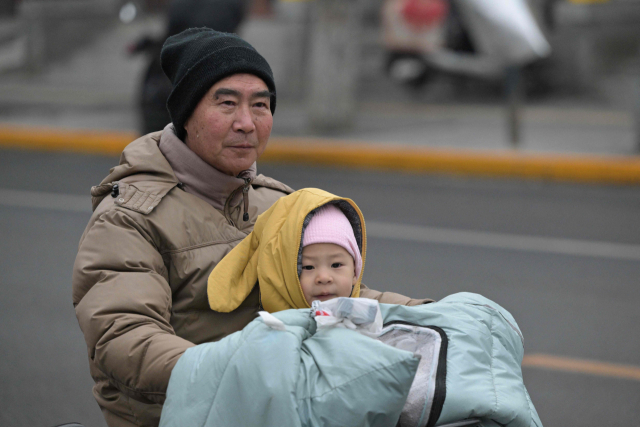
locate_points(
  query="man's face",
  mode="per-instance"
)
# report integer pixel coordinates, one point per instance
(231, 124)
(327, 272)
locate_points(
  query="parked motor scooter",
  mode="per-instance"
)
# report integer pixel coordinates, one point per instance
(478, 38)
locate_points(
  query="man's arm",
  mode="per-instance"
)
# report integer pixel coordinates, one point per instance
(390, 297)
(123, 305)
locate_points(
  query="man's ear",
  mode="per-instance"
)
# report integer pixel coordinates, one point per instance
(186, 133)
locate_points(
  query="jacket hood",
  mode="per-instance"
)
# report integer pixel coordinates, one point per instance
(269, 255)
(141, 165)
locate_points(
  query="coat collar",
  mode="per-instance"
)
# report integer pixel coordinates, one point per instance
(197, 176)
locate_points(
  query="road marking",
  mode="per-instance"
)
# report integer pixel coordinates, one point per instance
(552, 245)
(383, 230)
(46, 201)
(581, 366)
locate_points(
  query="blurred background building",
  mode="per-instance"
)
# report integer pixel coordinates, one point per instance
(331, 52)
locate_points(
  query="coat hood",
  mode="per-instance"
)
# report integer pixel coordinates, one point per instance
(269, 256)
(143, 167)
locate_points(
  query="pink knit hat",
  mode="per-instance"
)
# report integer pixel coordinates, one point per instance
(330, 225)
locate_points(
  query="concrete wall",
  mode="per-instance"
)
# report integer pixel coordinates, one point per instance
(592, 42)
(55, 28)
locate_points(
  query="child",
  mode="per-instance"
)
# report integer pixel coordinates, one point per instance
(310, 245)
(331, 260)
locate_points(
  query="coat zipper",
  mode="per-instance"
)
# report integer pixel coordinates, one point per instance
(440, 392)
(245, 198)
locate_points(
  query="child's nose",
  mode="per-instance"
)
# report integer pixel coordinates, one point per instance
(323, 276)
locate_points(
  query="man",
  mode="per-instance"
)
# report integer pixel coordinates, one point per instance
(177, 203)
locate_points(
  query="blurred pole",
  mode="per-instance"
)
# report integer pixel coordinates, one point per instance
(636, 104)
(515, 94)
(334, 63)
(295, 17)
(636, 116)
(33, 17)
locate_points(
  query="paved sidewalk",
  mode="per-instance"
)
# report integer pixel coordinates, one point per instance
(94, 92)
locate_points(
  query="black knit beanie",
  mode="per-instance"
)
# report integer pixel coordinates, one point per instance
(197, 58)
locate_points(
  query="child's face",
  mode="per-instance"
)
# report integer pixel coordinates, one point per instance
(327, 272)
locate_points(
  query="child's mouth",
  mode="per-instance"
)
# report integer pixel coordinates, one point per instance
(325, 297)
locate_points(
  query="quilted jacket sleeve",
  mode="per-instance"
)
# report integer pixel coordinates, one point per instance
(390, 297)
(123, 304)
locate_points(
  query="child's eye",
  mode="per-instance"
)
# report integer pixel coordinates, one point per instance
(337, 265)
(307, 267)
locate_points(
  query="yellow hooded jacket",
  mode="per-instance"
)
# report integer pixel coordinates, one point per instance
(269, 255)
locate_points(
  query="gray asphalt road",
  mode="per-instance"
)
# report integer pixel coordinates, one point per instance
(564, 259)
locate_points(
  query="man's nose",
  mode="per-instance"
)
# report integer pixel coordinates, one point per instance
(244, 120)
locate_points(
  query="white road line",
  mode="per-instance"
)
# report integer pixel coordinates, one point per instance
(448, 236)
(46, 201)
(383, 230)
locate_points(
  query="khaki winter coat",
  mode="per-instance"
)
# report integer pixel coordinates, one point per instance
(140, 279)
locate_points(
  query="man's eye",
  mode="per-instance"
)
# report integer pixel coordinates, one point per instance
(337, 265)
(260, 104)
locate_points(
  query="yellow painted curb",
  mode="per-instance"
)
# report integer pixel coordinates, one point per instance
(95, 142)
(581, 366)
(556, 167)
(576, 168)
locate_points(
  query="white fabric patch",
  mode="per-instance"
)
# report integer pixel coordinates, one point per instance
(358, 314)
(272, 321)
